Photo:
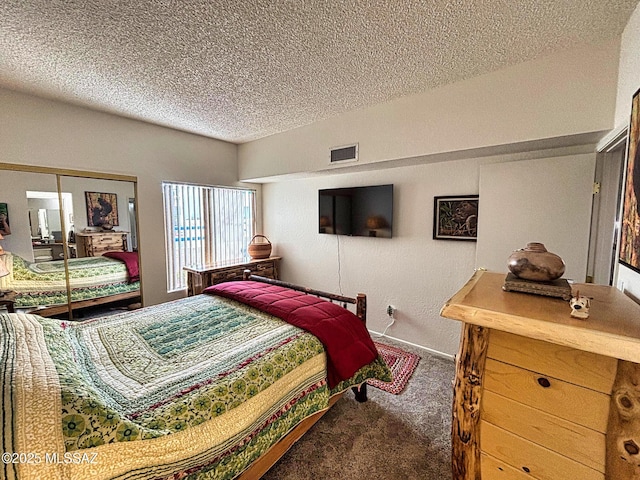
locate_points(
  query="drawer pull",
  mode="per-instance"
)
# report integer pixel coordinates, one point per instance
(526, 469)
(626, 402)
(544, 382)
(631, 447)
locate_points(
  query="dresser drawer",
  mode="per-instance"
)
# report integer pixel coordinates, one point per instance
(536, 461)
(568, 401)
(493, 469)
(110, 243)
(95, 244)
(102, 251)
(586, 369)
(571, 440)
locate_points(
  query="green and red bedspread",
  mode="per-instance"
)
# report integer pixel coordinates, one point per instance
(44, 284)
(196, 387)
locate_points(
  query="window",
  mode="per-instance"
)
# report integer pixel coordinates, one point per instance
(204, 225)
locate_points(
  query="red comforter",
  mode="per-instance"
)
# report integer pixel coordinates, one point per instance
(346, 340)
(130, 260)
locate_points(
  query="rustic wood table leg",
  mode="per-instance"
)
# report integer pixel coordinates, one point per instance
(467, 393)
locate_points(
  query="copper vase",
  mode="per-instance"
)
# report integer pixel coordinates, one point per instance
(535, 263)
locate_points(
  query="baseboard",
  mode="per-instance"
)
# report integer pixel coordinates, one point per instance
(378, 335)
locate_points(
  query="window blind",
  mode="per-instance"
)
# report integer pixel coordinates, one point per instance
(205, 225)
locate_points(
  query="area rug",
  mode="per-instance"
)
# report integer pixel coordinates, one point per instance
(402, 365)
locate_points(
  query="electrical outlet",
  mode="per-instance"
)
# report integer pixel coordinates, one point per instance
(391, 310)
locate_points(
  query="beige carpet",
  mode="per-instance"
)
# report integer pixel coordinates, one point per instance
(389, 437)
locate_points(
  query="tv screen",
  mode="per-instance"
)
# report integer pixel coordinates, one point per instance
(356, 211)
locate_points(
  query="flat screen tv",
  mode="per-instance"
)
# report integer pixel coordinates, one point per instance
(356, 211)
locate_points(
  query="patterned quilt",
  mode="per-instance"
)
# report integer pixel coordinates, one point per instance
(199, 387)
(44, 283)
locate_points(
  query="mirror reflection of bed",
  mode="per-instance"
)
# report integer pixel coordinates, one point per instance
(97, 283)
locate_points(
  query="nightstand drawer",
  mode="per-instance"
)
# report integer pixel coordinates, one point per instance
(590, 370)
(225, 276)
(571, 440)
(231, 274)
(260, 268)
(525, 456)
(265, 271)
(572, 402)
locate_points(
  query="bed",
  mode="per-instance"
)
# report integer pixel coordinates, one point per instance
(42, 286)
(209, 386)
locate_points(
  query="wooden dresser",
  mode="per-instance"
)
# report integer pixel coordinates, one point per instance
(539, 394)
(201, 276)
(95, 244)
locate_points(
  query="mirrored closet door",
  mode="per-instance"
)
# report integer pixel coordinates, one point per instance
(69, 245)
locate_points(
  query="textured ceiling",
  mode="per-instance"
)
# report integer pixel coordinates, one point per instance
(241, 70)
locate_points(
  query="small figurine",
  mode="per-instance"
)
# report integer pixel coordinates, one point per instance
(580, 306)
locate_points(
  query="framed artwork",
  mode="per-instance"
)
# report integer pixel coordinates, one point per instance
(102, 209)
(455, 217)
(5, 228)
(630, 235)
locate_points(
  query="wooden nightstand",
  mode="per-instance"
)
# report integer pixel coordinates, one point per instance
(200, 277)
(7, 300)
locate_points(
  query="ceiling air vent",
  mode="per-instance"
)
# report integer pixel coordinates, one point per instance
(343, 154)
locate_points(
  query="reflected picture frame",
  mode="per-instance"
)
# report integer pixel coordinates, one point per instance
(102, 209)
(455, 217)
(5, 228)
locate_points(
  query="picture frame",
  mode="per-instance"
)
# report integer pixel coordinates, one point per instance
(455, 217)
(5, 226)
(630, 226)
(102, 209)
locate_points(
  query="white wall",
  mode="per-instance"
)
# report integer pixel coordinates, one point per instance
(628, 83)
(527, 201)
(48, 133)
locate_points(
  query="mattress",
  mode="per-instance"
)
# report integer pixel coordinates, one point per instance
(44, 283)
